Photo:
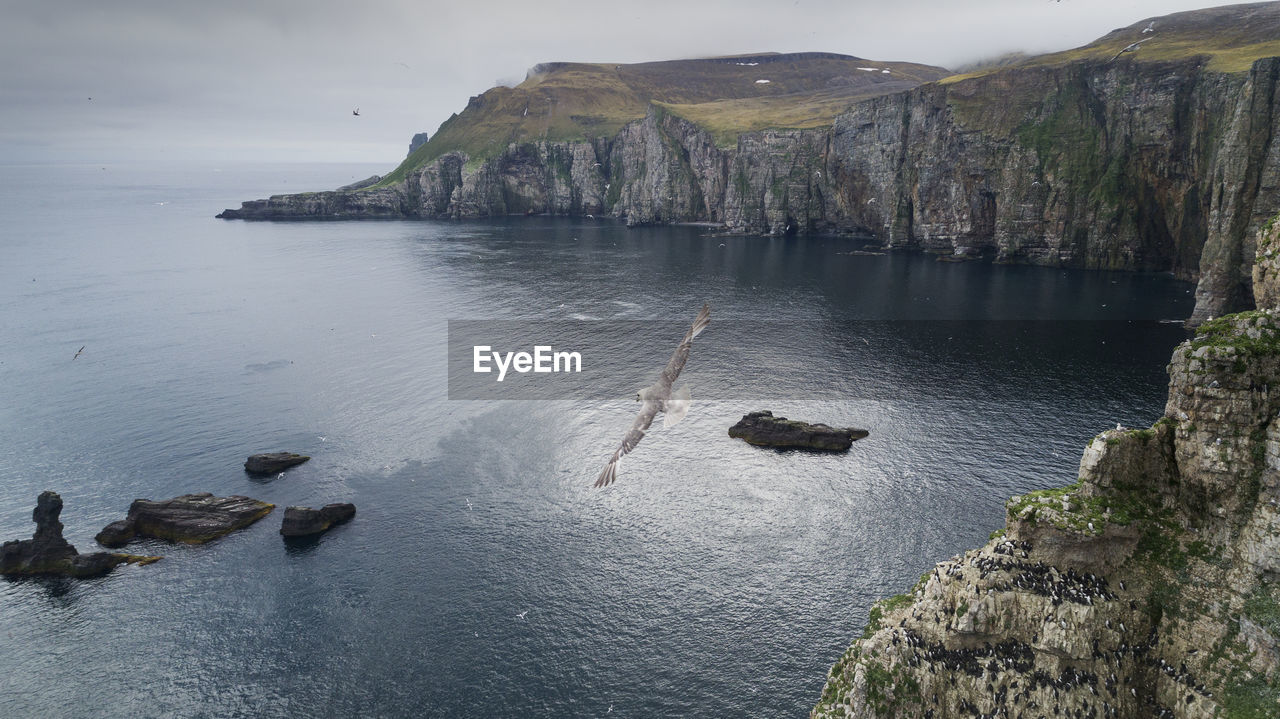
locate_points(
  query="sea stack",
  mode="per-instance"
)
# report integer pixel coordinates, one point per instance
(49, 554)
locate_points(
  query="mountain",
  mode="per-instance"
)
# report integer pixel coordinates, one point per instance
(1156, 159)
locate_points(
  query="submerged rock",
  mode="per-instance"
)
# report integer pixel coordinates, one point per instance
(191, 518)
(763, 429)
(272, 462)
(48, 553)
(305, 521)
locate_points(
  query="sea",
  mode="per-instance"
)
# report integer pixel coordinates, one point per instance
(483, 574)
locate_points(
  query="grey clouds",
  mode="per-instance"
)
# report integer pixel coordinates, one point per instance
(271, 80)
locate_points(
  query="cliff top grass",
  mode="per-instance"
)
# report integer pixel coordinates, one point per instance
(581, 101)
(1253, 333)
(1229, 38)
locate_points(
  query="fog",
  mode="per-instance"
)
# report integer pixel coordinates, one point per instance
(251, 81)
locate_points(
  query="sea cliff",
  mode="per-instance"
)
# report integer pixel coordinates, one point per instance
(1160, 159)
(1147, 588)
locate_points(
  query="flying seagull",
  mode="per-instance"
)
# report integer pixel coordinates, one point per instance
(356, 112)
(77, 354)
(1130, 48)
(658, 398)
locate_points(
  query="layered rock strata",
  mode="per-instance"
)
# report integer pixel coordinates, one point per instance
(1148, 588)
(1154, 165)
(190, 518)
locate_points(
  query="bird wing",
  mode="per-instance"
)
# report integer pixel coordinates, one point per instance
(681, 355)
(629, 442)
(651, 406)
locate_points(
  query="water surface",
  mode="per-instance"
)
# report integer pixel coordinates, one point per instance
(483, 576)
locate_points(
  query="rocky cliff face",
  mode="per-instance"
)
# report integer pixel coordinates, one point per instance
(1116, 165)
(1148, 588)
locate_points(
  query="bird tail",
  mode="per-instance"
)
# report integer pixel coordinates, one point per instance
(674, 409)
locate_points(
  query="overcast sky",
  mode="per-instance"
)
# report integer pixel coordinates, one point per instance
(237, 80)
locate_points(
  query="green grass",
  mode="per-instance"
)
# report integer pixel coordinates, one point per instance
(1255, 333)
(1251, 698)
(566, 102)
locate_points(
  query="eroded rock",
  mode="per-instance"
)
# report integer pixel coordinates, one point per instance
(305, 521)
(48, 553)
(191, 518)
(273, 462)
(763, 429)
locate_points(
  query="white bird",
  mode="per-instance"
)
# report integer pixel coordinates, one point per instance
(1130, 48)
(468, 505)
(356, 112)
(659, 398)
(521, 614)
(1151, 27)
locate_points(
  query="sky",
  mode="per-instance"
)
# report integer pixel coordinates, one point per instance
(272, 80)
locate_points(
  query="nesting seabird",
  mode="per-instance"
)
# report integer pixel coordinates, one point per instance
(658, 398)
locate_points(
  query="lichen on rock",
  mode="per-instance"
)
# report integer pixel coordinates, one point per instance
(1147, 588)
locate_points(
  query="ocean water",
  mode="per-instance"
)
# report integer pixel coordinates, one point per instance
(483, 575)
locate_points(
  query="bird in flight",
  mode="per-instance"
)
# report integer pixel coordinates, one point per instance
(356, 112)
(77, 354)
(658, 398)
(1130, 48)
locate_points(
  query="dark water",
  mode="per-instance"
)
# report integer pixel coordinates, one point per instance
(715, 579)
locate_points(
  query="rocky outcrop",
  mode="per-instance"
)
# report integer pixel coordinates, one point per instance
(763, 429)
(1266, 267)
(47, 553)
(191, 518)
(273, 462)
(418, 140)
(361, 184)
(1148, 588)
(305, 521)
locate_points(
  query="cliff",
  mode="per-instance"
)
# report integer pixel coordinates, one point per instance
(1148, 588)
(1158, 159)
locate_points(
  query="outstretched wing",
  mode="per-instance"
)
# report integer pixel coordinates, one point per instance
(629, 442)
(681, 355)
(652, 405)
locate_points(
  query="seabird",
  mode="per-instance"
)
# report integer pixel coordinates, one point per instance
(356, 112)
(1151, 27)
(1130, 48)
(658, 397)
(521, 614)
(73, 359)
